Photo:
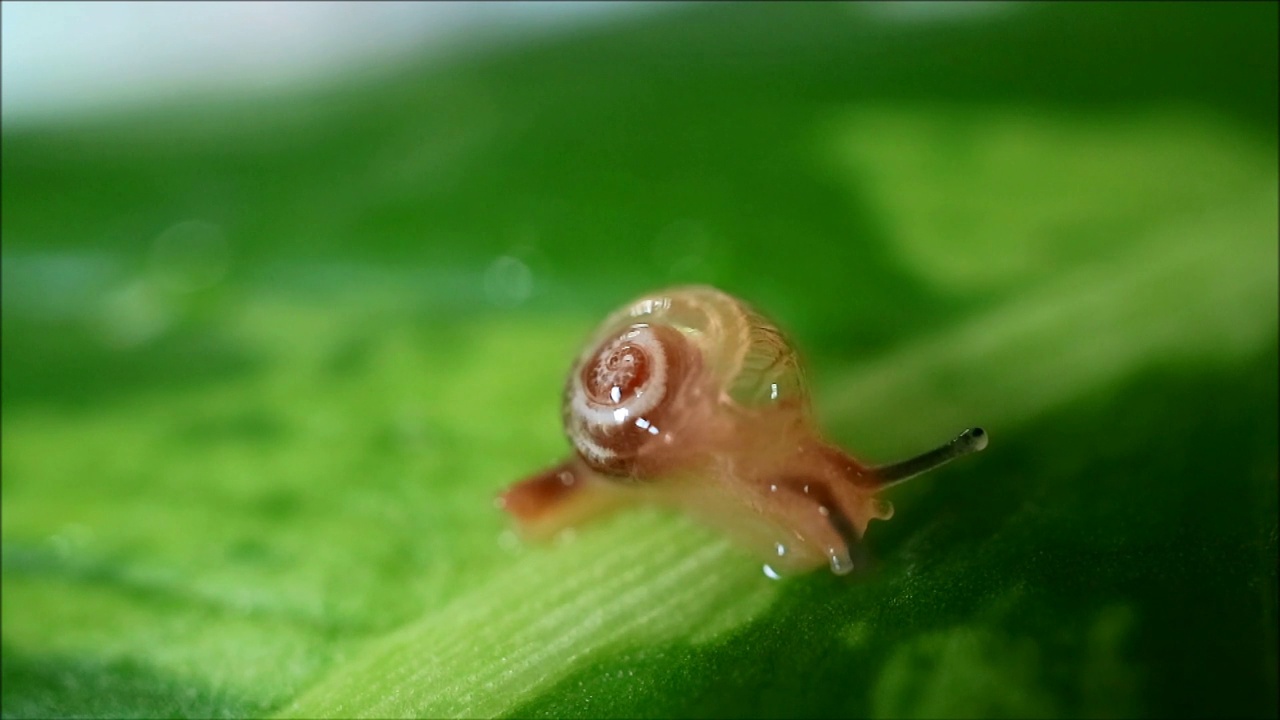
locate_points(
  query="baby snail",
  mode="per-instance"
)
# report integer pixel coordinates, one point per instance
(690, 398)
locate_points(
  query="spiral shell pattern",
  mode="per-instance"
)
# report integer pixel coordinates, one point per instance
(662, 364)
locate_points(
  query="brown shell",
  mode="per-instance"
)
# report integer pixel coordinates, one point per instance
(685, 354)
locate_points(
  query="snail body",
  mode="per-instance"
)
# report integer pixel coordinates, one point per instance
(689, 397)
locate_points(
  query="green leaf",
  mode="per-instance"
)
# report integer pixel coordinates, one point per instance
(265, 367)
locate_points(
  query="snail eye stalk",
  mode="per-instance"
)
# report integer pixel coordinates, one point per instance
(966, 443)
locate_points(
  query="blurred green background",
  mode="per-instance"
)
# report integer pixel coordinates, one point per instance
(266, 362)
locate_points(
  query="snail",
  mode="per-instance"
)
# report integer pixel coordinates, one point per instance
(689, 397)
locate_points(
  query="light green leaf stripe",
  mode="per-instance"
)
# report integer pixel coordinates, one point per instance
(1203, 290)
(640, 578)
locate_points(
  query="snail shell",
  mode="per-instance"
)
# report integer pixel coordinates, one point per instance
(689, 397)
(663, 369)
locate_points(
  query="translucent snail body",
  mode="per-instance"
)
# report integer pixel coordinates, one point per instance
(688, 397)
